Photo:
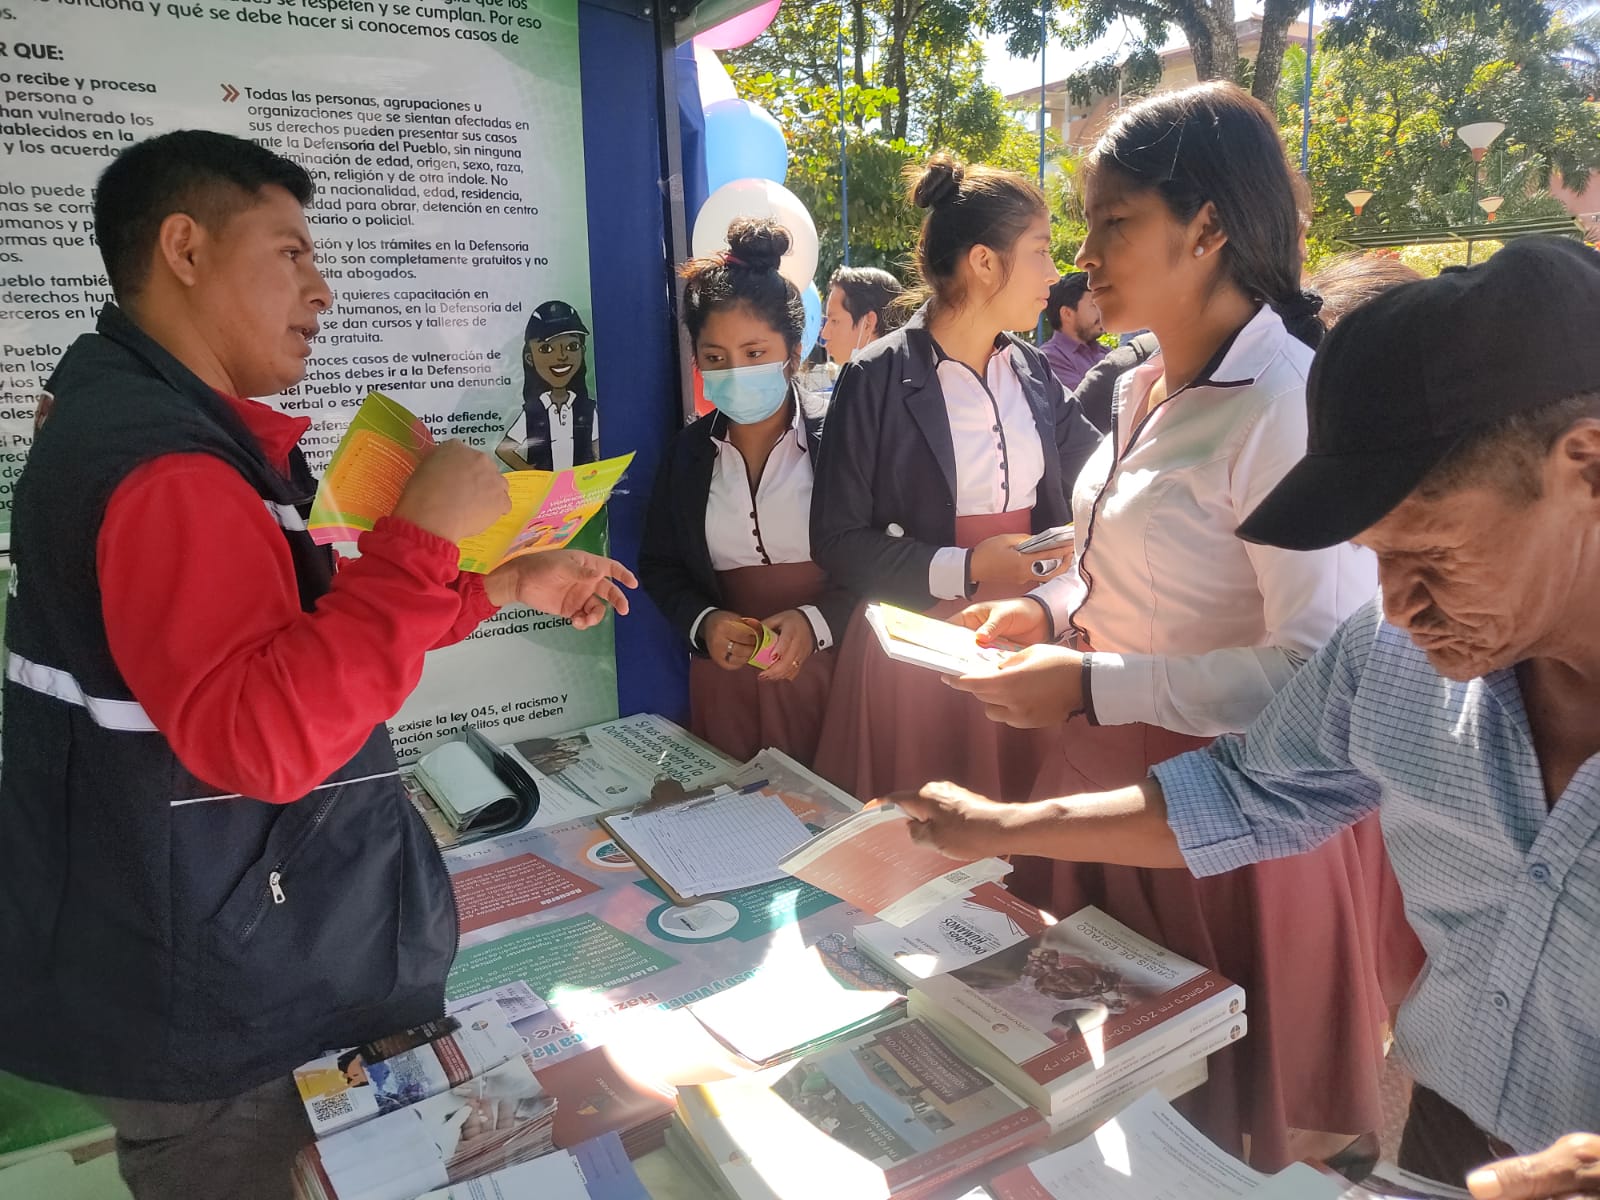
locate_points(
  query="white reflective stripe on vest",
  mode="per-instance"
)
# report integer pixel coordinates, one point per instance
(126, 715)
(318, 788)
(286, 515)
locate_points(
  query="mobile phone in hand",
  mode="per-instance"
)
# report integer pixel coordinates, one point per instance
(1058, 538)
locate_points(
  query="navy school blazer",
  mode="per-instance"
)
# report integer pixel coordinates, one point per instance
(674, 560)
(889, 460)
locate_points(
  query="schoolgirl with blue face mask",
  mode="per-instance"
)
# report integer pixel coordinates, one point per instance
(727, 548)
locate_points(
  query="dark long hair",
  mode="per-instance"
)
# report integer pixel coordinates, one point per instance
(1214, 143)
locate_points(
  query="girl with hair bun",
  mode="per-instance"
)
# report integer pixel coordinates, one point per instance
(949, 441)
(1176, 631)
(726, 552)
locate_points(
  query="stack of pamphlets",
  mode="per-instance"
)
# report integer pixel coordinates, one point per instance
(891, 1114)
(594, 1170)
(794, 1005)
(341, 1090)
(1064, 1016)
(422, 1109)
(384, 445)
(619, 765)
(610, 767)
(1149, 1152)
(985, 921)
(478, 789)
(871, 861)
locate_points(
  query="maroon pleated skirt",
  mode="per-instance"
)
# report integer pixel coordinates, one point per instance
(733, 710)
(892, 726)
(1315, 940)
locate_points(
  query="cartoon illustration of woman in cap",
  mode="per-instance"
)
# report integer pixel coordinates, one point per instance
(557, 427)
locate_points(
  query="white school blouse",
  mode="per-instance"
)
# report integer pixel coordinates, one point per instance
(769, 523)
(999, 457)
(1193, 629)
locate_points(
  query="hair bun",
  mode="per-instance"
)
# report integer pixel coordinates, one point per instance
(1300, 306)
(758, 243)
(939, 183)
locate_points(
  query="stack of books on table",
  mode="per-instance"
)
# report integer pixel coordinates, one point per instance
(891, 1114)
(425, 1109)
(1069, 1014)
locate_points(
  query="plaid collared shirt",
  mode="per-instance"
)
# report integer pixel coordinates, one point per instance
(1503, 889)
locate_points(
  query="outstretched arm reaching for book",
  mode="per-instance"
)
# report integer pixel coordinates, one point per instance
(1127, 826)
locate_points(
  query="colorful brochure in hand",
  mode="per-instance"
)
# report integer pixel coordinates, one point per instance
(385, 444)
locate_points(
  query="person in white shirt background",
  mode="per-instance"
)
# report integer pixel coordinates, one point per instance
(1176, 631)
(558, 426)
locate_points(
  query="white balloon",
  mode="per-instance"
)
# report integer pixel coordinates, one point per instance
(759, 198)
(715, 82)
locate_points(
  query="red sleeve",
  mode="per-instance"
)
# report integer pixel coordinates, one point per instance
(204, 622)
(476, 608)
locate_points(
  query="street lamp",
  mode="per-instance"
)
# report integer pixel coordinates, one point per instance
(1479, 135)
(1358, 199)
(1491, 205)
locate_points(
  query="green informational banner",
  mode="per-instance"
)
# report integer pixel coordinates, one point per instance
(446, 141)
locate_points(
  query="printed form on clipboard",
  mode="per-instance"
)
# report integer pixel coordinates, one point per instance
(718, 843)
(910, 637)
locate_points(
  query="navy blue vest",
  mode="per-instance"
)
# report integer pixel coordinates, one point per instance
(161, 940)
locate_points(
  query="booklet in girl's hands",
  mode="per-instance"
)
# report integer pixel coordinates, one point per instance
(910, 637)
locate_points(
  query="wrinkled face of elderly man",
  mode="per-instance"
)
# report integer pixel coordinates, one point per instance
(1492, 559)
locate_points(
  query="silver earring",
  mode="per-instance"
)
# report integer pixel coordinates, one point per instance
(1199, 251)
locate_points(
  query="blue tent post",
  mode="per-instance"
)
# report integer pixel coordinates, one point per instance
(844, 169)
(1044, 37)
(1305, 92)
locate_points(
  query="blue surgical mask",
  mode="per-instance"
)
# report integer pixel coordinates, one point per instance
(746, 395)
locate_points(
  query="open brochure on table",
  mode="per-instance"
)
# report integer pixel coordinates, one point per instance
(384, 445)
(1150, 1152)
(871, 861)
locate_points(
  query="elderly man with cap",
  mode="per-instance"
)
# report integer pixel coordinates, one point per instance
(557, 426)
(1455, 430)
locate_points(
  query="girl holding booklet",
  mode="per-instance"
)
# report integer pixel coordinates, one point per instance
(727, 551)
(949, 442)
(1177, 631)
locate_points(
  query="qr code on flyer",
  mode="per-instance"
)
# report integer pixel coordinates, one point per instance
(325, 1109)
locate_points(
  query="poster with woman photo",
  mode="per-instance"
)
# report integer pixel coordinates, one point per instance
(557, 426)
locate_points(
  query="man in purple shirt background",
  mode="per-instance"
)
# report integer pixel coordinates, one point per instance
(1072, 349)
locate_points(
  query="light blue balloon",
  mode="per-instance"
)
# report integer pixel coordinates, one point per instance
(812, 300)
(743, 142)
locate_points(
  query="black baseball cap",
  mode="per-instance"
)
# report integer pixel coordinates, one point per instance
(553, 318)
(1406, 377)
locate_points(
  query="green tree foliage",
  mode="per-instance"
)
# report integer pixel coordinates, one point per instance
(1394, 79)
(1208, 26)
(940, 102)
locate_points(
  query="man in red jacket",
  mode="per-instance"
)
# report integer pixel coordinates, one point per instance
(208, 871)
